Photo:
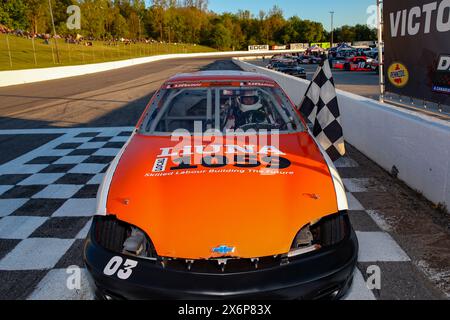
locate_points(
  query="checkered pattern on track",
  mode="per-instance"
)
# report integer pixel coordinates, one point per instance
(47, 198)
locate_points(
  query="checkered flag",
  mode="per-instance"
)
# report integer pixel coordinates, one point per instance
(320, 107)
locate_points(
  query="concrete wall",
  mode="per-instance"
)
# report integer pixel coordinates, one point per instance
(417, 145)
(15, 77)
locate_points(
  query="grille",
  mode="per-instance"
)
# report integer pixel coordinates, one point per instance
(224, 265)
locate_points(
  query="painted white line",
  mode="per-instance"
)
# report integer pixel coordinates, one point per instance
(379, 246)
(36, 254)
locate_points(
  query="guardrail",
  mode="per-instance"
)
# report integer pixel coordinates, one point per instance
(16, 77)
(416, 145)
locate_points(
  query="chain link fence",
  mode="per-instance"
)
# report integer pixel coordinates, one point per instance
(26, 52)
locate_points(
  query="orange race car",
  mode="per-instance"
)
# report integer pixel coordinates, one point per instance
(221, 192)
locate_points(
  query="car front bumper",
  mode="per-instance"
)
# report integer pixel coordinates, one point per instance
(326, 273)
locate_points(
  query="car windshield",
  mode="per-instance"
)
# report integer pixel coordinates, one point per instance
(222, 108)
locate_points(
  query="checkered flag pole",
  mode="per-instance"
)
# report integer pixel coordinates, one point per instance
(320, 107)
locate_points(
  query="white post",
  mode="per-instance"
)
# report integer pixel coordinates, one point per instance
(380, 47)
(34, 50)
(9, 50)
(332, 28)
(54, 30)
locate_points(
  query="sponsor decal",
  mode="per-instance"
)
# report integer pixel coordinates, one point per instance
(257, 84)
(258, 47)
(441, 77)
(160, 165)
(223, 250)
(398, 74)
(428, 18)
(218, 156)
(213, 158)
(184, 85)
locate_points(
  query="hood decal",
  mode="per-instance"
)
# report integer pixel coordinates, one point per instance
(255, 203)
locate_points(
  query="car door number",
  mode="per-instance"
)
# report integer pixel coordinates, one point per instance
(362, 65)
(117, 265)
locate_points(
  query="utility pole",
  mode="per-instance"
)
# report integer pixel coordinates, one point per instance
(332, 28)
(380, 48)
(54, 30)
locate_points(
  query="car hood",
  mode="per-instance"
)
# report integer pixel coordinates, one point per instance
(188, 212)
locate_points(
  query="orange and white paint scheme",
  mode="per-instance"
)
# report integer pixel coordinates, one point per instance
(188, 207)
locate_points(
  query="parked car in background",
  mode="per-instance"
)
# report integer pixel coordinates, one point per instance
(305, 59)
(357, 63)
(291, 68)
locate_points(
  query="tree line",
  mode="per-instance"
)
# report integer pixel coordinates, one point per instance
(175, 21)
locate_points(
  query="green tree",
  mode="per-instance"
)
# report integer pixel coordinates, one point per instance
(221, 37)
(13, 14)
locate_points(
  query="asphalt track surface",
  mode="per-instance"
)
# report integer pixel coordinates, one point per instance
(57, 138)
(107, 99)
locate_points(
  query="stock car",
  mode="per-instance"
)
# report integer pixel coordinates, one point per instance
(357, 63)
(289, 67)
(309, 59)
(221, 192)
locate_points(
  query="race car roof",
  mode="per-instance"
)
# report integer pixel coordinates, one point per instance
(219, 75)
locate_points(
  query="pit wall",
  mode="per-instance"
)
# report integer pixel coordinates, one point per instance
(16, 77)
(417, 145)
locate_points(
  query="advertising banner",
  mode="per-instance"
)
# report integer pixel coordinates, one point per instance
(417, 49)
(323, 45)
(299, 46)
(258, 47)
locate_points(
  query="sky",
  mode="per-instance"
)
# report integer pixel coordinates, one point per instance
(348, 12)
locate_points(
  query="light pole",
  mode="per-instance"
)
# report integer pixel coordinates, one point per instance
(332, 28)
(380, 47)
(54, 30)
